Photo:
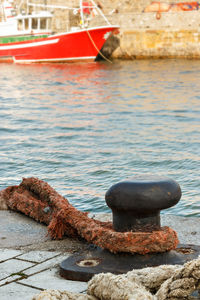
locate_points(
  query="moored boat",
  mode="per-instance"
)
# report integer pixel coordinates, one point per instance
(26, 34)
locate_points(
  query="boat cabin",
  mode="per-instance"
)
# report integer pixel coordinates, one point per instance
(35, 23)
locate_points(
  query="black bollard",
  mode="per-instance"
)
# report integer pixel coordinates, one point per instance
(136, 206)
(136, 203)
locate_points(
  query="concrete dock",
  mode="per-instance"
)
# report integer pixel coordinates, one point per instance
(29, 260)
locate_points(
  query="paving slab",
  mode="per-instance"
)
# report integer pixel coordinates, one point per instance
(38, 256)
(8, 253)
(50, 279)
(47, 264)
(13, 266)
(15, 291)
(9, 280)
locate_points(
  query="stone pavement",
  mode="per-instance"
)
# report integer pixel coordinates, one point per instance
(25, 274)
(29, 260)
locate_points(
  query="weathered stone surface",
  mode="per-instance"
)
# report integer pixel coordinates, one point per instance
(13, 266)
(8, 254)
(15, 291)
(50, 263)
(38, 256)
(55, 281)
(18, 230)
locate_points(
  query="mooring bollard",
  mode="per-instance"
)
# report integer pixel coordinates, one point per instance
(136, 203)
(136, 239)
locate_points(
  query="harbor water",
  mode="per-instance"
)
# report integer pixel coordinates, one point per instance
(85, 127)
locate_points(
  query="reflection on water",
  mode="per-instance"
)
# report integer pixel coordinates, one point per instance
(84, 127)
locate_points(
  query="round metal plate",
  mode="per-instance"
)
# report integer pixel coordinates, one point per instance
(83, 265)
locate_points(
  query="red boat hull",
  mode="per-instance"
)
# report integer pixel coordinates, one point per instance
(82, 45)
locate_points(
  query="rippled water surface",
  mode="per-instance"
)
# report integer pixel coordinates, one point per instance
(84, 127)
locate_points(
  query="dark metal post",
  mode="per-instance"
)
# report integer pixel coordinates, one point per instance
(136, 203)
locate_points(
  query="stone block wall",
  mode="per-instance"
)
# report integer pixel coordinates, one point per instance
(142, 35)
(159, 44)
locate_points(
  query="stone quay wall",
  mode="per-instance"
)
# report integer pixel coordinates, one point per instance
(142, 35)
(175, 34)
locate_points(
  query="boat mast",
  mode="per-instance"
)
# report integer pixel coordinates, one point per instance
(81, 12)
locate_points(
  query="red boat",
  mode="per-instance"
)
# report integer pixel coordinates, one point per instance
(26, 37)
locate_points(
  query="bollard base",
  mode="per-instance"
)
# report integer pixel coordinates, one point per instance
(82, 266)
